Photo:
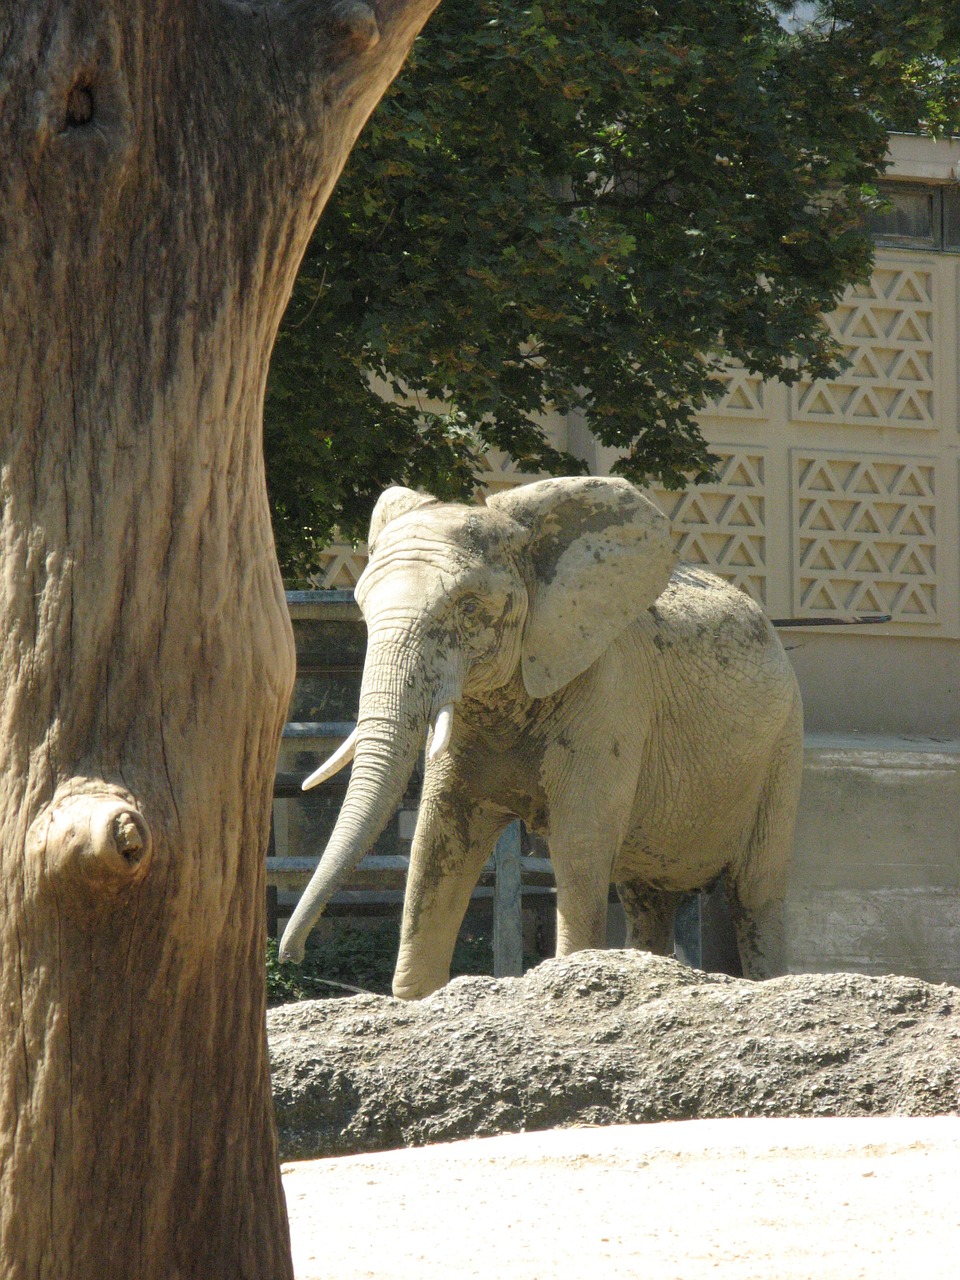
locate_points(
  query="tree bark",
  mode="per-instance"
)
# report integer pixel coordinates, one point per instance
(163, 165)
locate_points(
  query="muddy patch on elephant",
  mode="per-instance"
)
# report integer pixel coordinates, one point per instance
(607, 1037)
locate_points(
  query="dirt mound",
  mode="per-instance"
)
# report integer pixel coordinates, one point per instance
(607, 1037)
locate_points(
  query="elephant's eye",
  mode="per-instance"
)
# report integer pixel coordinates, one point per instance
(470, 612)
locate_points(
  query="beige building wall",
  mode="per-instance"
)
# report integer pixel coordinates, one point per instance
(839, 499)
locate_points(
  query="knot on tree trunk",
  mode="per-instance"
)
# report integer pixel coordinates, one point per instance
(98, 836)
(355, 23)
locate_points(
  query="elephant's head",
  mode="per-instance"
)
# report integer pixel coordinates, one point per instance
(456, 598)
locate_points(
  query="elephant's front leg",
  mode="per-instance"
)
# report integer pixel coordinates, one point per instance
(453, 840)
(582, 857)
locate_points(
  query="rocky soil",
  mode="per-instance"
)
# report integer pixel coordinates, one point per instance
(607, 1037)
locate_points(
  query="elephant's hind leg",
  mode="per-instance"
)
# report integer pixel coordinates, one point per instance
(650, 913)
(757, 887)
(760, 938)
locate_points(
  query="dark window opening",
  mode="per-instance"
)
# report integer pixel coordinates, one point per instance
(917, 216)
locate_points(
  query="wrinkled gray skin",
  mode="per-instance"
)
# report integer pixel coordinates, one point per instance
(648, 725)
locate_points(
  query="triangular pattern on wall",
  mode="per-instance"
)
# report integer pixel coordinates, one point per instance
(914, 328)
(742, 396)
(903, 286)
(498, 471)
(867, 521)
(886, 331)
(906, 368)
(916, 603)
(722, 526)
(341, 567)
(864, 535)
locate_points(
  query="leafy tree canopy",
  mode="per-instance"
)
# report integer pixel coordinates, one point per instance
(589, 205)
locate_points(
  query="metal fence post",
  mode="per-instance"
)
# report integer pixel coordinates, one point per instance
(508, 906)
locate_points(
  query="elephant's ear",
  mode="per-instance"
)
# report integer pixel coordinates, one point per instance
(393, 502)
(601, 553)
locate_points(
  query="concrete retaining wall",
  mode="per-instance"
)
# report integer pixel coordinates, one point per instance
(876, 883)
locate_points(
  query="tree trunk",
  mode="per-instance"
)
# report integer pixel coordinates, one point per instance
(163, 165)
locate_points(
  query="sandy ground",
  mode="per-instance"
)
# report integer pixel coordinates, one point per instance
(730, 1199)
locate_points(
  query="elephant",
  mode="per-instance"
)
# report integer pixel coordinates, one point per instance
(640, 715)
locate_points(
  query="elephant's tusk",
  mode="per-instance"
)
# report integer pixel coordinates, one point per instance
(442, 730)
(341, 757)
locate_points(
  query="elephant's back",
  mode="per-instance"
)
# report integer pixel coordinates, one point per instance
(717, 664)
(699, 606)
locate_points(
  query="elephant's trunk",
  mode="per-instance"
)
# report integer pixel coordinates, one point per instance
(391, 725)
